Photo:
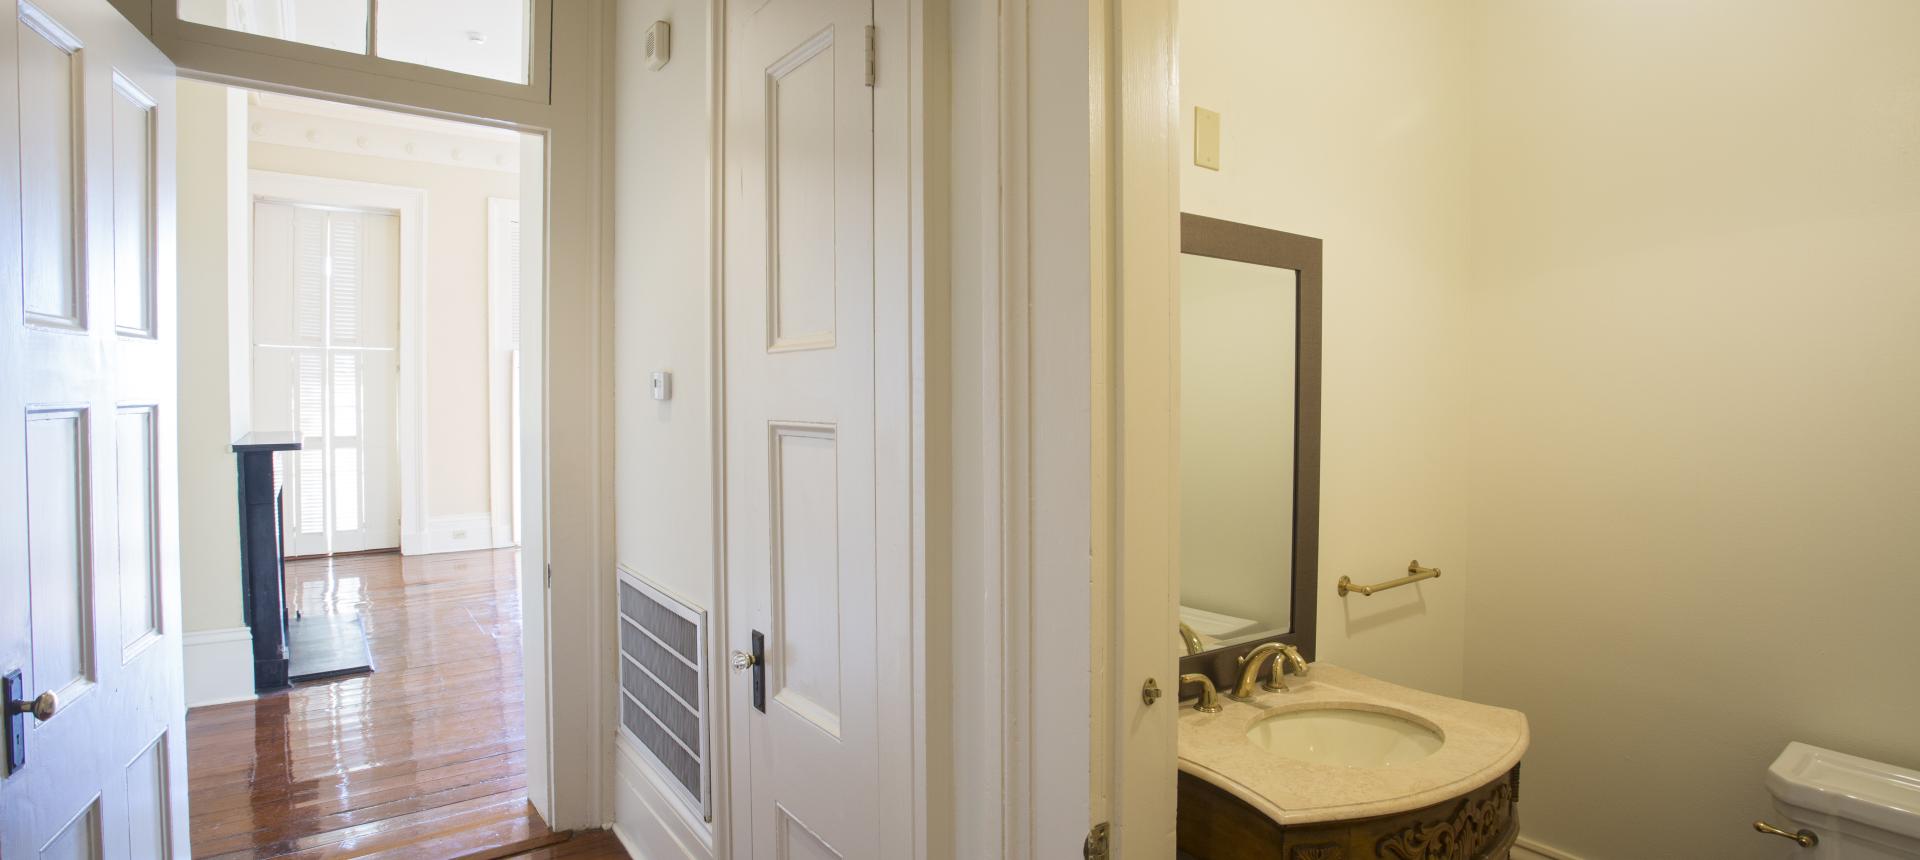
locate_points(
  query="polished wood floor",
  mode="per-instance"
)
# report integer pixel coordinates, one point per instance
(423, 758)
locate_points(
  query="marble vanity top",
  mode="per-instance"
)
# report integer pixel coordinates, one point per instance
(1480, 742)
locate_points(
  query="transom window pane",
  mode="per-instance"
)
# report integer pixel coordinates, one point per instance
(487, 38)
(337, 24)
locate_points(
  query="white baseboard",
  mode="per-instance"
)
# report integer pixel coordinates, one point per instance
(1528, 849)
(219, 666)
(458, 533)
(503, 536)
(648, 822)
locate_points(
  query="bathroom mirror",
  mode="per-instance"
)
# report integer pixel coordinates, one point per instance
(1249, 441)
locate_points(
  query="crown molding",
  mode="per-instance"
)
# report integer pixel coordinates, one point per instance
(287, 121)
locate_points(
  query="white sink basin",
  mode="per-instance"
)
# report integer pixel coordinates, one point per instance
(1345, 736)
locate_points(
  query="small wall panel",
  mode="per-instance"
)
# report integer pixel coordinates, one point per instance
(800, 166)
(50, 180)
(147, 803)
(137, 510)
(59, 576)
(133, 258)
(805, 505)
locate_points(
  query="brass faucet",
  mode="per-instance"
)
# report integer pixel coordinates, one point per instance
(1288, 654)
(1282, 655)
(1209, 701)
(1191, 639)
(1250, 668)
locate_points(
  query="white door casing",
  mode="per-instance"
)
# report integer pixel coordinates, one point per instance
(326, 363)
(89, 552)
(503, 369)
(816, 445)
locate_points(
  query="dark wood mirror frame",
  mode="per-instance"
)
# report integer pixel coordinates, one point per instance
(1227, 240)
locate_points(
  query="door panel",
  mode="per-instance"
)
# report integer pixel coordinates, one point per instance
(802, 535)
(88, 479)
(57, 547)
(133, 152)
(48, 72)
(137, 502)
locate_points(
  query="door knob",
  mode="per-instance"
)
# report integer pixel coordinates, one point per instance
(743, 660)
(42, 707)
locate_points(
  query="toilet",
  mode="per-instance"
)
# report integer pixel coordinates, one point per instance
(1856, 808)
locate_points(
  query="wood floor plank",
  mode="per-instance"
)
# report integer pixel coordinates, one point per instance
(425, 757)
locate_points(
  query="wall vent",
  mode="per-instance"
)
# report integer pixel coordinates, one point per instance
(663, 687)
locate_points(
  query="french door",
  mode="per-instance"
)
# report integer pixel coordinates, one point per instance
(95, 761)
(326, 365)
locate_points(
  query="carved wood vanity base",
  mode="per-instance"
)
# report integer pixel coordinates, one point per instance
(1479, 825)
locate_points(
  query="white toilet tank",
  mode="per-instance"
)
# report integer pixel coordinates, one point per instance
(1857, 809)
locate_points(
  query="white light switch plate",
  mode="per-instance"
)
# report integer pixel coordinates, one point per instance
(662, 385)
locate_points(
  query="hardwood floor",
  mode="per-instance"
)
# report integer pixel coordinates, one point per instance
(423, 758)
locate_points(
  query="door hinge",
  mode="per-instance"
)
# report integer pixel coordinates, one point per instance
(549, 575)
(1095, 847)
(873, 62)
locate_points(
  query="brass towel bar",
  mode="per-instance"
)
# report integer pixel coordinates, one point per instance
(1415, 573)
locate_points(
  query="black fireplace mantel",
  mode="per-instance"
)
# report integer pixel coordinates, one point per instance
(262, 565)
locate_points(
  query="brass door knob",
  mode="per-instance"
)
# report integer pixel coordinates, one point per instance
(742, 660)
(1806, 838)
(42, 707)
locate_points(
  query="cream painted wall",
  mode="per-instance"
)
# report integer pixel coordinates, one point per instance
(211, 160)
(663, 303)
(456, 348)
(1349, 122)
(1237, 338)
(1696, 402)
(664, 469)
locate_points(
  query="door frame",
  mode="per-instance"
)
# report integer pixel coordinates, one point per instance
(1063, 136)
(410, 415)
(567, 547)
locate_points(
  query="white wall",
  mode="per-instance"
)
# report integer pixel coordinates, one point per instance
(663, 300)
(1349, 122)
(456, 356)
(1695, 409)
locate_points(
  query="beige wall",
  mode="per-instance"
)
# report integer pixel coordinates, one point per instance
(662, 306)
(1349, 122)
(1696, 404)
(212, 186)
(456, 302)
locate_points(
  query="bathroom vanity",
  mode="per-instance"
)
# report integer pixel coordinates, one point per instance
(1344, 766)
(1280, 757)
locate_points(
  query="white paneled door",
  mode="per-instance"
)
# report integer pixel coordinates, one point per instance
(326, 329)
(89, 579)
(807, 477)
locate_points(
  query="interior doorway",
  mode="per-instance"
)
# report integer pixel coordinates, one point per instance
(373, 322)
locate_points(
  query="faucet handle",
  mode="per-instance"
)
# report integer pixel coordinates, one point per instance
(1209, 701)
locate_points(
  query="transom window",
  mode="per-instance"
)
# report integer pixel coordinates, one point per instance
(484, 38)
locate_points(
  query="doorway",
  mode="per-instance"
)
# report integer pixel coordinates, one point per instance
(374, 317)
